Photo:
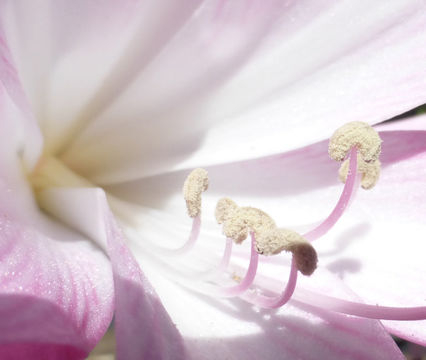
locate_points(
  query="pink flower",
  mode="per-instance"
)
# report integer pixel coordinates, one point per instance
(118, 100)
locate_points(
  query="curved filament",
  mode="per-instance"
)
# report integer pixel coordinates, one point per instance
(343, 202)
(276, 301)
(248, 279)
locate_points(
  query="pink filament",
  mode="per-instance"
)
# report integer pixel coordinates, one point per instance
(341, 205)
(276, 301)
(189, 244)
(250, 274)
(226, 257)
(320, 230)
(360, 309)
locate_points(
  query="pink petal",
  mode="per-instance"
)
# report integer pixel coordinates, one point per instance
(236, 86)
(143, 328)
(56, 294)
(56, 290)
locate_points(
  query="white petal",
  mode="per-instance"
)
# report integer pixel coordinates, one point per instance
(307, 72)
(215, 328)
(75, 57)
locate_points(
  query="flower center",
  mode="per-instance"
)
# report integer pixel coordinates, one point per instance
(50, 172)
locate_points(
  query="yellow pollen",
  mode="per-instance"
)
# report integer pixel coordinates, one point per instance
(276, 240)
(236, 278)
(370, 172)
(196, 182)
(358, 134)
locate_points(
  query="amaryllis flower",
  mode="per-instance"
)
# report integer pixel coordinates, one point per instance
(106, 107)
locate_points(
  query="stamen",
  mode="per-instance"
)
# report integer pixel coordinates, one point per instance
(315, 299)
(267, 240)
(189, 244)
(355, 134)
(196, 182)
(341, 205)
(217, 270)
(360, 309)
(217, 290)
(224, 208)
(370, 172)
(276, 240)
(238, 221)
(361, 144)
(248, 279)
(275, 301)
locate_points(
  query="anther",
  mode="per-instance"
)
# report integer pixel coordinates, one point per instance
(224, 208)
(370, 172)
(355, 134)
(196, 182)
(276, 240)
(239, 221)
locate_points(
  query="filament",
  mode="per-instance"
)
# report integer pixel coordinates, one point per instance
(342, 204)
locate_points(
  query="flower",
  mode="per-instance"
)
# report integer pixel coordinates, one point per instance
(129, 95)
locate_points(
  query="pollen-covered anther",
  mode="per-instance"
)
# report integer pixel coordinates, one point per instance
(224, 209)
(274, 241)
(358, 134)
(370, 172)
(196, 182)
(239, 221)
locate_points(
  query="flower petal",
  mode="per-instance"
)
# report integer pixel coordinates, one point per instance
(50, 272)
(215, 328)
(17, 121)
(142, 326)
(75, 57)
(47, 271)
(270, 84)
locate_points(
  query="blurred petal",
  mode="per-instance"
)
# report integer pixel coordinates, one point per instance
(142, 326)
(233, 86)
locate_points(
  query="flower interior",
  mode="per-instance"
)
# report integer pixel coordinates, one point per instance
(356, 145)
